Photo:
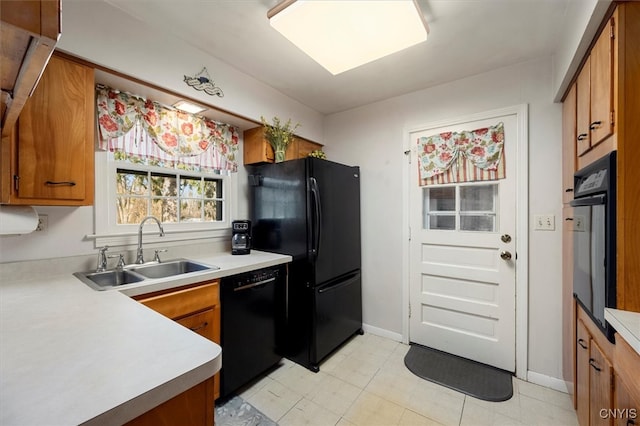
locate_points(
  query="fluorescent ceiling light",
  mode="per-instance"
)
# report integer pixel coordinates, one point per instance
(344, 34)
(188, 107)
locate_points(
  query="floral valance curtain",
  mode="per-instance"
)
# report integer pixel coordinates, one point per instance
(466, 156)
(181, 137)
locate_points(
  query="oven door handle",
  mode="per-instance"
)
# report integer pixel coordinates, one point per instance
(589, 201)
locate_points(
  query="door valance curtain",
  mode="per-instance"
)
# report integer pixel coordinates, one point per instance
(177, 136)
(466, 156)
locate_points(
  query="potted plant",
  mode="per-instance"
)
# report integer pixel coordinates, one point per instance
(279, 135)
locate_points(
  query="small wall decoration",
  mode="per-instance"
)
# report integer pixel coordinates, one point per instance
(203, 82)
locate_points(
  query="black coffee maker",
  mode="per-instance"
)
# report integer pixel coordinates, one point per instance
(241, 237)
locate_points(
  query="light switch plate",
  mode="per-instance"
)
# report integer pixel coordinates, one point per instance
(544, 222)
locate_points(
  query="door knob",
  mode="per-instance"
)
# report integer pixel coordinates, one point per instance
(506, 238)
(505, 255)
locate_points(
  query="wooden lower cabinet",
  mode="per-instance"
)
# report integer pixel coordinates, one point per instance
(196, 307)
(583, 341)
(607, 389)
(600, 386)
(627, 408)
(594, 373)
(194, 407)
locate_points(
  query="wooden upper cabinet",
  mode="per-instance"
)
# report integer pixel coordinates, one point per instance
(258, 150)
(568, 144)
(29, 32)
(601, 123)
(594, 97)
(54, 142)
(583, 109)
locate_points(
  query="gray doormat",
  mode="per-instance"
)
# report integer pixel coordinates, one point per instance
(238, 412)
(470, 377)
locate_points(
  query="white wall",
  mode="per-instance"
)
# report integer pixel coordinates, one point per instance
(582, 19)
(372, 137)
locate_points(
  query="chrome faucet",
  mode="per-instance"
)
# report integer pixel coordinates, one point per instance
(139, 256)
(102, 259)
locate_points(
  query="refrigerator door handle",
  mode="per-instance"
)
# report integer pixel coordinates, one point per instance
(317, 225)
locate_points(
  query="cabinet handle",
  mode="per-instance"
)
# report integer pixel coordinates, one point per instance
(580, 341)
(569, 218)
(595, 125)
(200, 327)
(582, 136)
(63, 183)
(592, 362)
(568, 190)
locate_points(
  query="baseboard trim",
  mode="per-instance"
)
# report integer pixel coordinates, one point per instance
(382, 332)
(547, 381)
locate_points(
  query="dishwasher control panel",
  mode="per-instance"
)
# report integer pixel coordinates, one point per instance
(252, 278)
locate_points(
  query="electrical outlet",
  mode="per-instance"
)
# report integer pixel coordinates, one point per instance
(544, 222)
(578, 223)
(43, 222)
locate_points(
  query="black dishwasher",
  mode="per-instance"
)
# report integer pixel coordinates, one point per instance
(253, 311)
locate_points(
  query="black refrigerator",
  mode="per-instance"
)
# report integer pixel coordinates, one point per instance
(310, 209)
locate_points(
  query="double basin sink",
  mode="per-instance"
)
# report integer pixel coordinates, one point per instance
(136, 273)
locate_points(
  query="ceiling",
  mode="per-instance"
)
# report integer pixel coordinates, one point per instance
(467, 37)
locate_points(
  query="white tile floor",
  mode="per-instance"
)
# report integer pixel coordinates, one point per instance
(366, 383)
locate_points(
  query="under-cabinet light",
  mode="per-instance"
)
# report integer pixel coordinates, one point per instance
(188, 107)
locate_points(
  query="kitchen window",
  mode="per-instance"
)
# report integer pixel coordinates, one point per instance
(191, 204)
(160, 161)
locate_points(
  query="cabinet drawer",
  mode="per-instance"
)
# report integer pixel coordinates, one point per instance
(180, 303)
(201, 323)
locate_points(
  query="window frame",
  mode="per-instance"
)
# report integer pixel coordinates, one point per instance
(107, 232)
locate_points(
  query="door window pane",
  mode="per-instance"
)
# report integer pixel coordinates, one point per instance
(447, 223)
(477, 198)
(484, 223)
(442, 199)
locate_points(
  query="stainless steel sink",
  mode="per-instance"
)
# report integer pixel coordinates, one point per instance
(137, 273)
(108, 279)
(171, 268)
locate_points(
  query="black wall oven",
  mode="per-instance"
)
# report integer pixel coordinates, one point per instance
(594, 239)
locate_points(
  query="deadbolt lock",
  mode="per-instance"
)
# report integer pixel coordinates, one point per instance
(506, 238)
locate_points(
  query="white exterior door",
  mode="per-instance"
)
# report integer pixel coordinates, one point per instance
(463, 259)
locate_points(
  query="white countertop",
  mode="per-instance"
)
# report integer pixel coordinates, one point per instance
(627, 324)
(70, 354)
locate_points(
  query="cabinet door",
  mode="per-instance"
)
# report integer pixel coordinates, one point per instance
(568, 144)
(600, 378)
(583, 108)
(627, 409)
(601, 124)
(206, 324)
(256, 149)
(55, 137)
(583, 341)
